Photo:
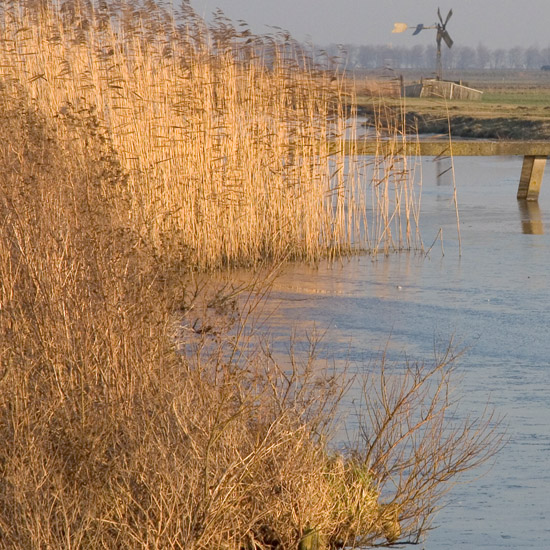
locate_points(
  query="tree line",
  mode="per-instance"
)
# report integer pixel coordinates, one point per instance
(423, 57)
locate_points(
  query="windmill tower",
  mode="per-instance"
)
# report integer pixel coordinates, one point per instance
(442, 35)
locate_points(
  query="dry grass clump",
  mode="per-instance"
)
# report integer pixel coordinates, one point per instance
(233, 143)
(110, 438)
(110, 435)
(369, 87)
(113, 438)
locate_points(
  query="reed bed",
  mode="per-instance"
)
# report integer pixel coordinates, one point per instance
(111, 436)
(233, 143)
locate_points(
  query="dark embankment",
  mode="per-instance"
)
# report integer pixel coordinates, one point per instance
(466, 126)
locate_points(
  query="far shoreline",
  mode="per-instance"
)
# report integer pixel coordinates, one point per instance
(515, 104)
(464, 126)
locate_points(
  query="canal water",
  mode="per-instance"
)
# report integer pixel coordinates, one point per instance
(492, 299)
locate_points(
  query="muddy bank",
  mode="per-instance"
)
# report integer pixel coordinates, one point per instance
(487, 128)
(464, 126)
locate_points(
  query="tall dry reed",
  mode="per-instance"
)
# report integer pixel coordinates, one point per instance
(110, 435)
(233, 143)
(110, 438)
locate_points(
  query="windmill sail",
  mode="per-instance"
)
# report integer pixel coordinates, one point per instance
(448, 40)
(399, 27)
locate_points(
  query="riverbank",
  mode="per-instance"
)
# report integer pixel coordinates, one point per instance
(468, 126)
(141, 403)
(515, 105)
(475, 127)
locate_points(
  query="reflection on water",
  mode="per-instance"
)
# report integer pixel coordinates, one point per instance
(531, 217)
(443, 171)
(493, 299)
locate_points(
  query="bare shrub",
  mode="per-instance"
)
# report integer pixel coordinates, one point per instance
(110, 436)
(415, 445)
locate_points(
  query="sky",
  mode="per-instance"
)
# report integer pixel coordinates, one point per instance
(493, 23)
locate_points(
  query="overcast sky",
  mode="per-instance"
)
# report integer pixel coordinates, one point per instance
(494, 23)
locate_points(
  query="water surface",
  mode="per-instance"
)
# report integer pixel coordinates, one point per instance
(492, 299)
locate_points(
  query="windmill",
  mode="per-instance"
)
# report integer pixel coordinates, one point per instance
(442, 34)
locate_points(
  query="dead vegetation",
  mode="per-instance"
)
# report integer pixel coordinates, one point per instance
(232, 143)
(113, 437)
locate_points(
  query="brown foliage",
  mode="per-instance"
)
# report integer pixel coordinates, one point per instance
(112, 436)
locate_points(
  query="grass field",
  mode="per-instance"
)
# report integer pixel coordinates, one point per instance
(515, 104)
(506, 79)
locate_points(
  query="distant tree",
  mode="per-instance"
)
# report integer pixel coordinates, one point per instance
(429, 58)
(533, 58)
(545, 56)
(516, 58)
(483, 56)
(449, 58)
(500, 59)
(466, 58)
(418, 56)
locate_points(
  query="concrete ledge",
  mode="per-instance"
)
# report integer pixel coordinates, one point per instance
(534, 155)
(460, 148)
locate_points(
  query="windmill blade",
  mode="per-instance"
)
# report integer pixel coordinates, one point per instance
(400, 27)
(419, 27)
(448, 17)
(448, 40)
(440, 18)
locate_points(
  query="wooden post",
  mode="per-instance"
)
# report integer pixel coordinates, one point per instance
(530, 181)
(531, 218)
